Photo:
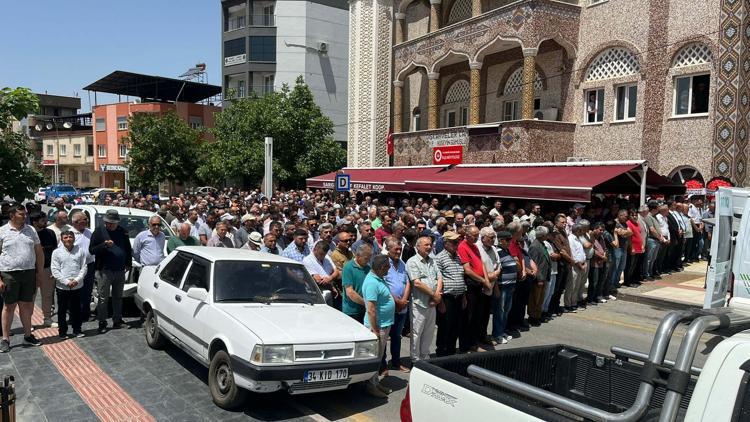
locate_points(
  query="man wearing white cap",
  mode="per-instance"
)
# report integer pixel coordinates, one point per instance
(241, 236)
(254, 242)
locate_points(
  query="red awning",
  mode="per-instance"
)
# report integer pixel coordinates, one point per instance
(543, 181)
(555, 183)
(384, 179)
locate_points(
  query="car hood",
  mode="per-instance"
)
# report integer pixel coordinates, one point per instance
(294, 323)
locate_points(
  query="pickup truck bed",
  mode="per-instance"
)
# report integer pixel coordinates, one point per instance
(605, 382)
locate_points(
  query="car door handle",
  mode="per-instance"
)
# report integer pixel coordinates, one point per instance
(156, 285)
(178, 298)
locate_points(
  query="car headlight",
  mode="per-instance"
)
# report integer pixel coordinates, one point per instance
(272, 354)
(366, 349)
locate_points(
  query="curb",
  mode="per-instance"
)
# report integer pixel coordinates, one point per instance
(653, 301)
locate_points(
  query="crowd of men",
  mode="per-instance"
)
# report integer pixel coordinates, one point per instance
(409, 267)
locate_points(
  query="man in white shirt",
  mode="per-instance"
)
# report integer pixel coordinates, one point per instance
(61, 223)
(83, 237)
(68, 269)
(579, 270)
(321, 267)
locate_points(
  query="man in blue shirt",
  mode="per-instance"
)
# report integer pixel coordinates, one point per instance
(398, 283)
(298, 249)
(148, 246)
(380, 313)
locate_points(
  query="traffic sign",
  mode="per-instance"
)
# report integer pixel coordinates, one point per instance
(343, 182)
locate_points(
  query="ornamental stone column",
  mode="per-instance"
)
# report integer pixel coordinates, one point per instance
(475, 92)
(398, 118)
(433, 114)
(435, 12)
(476, 7)
(527, 92)
(399, 26)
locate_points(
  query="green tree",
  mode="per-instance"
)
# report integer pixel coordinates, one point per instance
(18, 179)
(162, 148)
(302, 138)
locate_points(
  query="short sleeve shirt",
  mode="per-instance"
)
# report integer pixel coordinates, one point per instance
(375, 289)
(397, 279)
(470, 254)
(17, 248)
(426, 271)
(315, 267)
(353, 275)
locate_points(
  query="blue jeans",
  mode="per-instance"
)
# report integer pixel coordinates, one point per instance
(618, 266)
(500, 309)
(548, 293)
(395, 335)
(652, 250)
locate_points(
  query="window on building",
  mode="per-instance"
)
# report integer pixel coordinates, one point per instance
(85, 176)
(450, 118)
(268, 17)
(691, 94)
(512, 109)
(240, 89)
(416, 119)
(122, 123)
(89, 146)
(625, 102)
(235, 17)
(101, 151)
(123, 149)
(263, 49)
(63, 150)
(234, 52)
(50, 150)
(268, 82)
(76, 150)
(612, 63)
(594, 105)
(464, 116)
(196, 122)
(100, 125)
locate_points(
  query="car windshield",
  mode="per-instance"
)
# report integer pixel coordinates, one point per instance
(133, 224)
(265, 282)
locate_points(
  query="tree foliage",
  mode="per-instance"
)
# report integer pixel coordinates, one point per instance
(162, 148)
(18, 179)
(302, 138)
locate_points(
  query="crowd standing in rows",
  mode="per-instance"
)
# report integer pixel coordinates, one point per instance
(402, 267)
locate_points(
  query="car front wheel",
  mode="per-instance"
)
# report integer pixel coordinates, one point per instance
(224, 391)
(154, 338)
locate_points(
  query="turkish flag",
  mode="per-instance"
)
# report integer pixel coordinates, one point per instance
(389, 142)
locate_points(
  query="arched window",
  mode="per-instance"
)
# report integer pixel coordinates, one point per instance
(691, 91)
(692, 54)
(461, 10)
(612, 63)
(416, 119)
(514, 85)
(456, 104)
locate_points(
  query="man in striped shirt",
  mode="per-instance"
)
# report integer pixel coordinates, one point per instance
(451, 314)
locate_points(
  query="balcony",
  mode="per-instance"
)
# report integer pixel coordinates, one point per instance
(528, 21)
(262, 20)
(514, 141)
(233, 23)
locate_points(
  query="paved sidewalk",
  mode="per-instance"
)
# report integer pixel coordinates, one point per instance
(678, 290)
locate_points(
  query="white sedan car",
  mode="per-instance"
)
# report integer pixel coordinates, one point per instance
(257, 321)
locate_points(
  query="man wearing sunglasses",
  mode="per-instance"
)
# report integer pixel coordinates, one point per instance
(148, 246)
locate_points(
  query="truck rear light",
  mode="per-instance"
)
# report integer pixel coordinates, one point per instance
(406, 407)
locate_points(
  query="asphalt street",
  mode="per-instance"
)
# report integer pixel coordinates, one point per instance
(170, 386)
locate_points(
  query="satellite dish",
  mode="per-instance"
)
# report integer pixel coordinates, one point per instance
(67, 125)
(38, 127)
(49, 126)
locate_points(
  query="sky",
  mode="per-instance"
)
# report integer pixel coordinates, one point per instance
(60, 46)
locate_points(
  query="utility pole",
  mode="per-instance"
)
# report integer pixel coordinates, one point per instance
(268, 176)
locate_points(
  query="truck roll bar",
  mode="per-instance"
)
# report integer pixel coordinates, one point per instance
(642, 357)
(656, 357)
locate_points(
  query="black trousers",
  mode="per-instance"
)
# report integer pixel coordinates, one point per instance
(520, 300)
(477, 305)
(634, 268)
(449, 325)
(563, 273)
(69, 300)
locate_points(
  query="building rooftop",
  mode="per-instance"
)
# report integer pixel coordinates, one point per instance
(153, 88)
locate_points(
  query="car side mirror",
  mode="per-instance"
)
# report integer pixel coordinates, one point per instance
(328, 296)
(197, 293)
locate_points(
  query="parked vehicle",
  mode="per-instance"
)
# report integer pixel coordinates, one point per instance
(134, 221)
(55, 191)
(257, 321)
(41, 194)
(95, 193)
(564, 383)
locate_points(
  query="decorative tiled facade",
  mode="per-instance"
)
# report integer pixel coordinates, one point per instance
(571, 49)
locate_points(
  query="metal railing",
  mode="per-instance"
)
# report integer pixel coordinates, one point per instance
(262, 20)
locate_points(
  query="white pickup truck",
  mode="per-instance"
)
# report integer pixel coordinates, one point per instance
(564, 383)
(256, 320)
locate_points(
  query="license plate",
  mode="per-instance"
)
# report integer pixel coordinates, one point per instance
(326, 375)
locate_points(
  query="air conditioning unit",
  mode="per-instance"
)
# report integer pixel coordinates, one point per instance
(576, 159)
(323, 47)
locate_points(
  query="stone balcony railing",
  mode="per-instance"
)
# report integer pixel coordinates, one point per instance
(528, 21)
(514, 141)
